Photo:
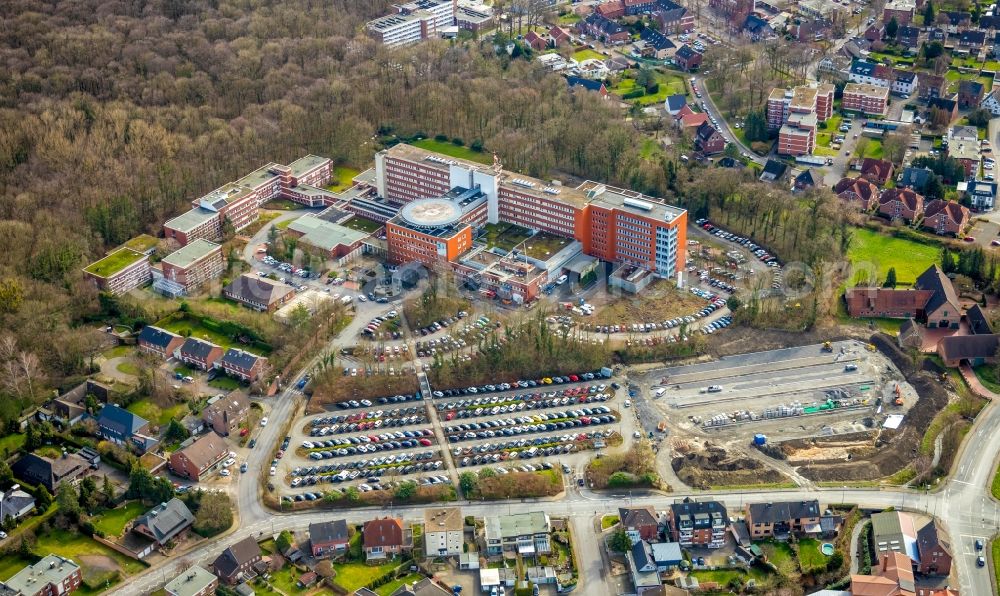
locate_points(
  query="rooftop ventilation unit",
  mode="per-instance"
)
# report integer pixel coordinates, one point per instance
(522, 182)
(638, 204)
(551, 191)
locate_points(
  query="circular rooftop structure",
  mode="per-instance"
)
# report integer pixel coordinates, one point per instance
(431, 213)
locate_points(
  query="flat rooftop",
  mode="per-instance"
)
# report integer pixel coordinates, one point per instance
(259, 176)
(303, 164)
(394, 20)
(324, 234)
(189, 220)
(114, 262)
(224, 195)
(866, 89)
(191, 253)
(141, 243)
(439, 161)
(631, 201)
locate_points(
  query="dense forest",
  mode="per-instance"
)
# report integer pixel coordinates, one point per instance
(115, 113)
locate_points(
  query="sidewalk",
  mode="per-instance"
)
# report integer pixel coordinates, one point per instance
(973, 381)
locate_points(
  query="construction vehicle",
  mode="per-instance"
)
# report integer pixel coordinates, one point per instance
(899, 396)
(870, 347)
(827, 346)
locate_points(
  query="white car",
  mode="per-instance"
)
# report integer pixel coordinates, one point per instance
(274, 470)
(263, 421)
(224, 472)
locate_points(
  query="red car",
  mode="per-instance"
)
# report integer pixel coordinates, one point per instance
(425, 442)
(450, 415)
(280, 454)
(244, 432)
(574, 378)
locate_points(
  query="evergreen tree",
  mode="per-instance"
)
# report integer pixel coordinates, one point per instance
(890, 278)
(43, 498)
(929, 14)
(891, 28)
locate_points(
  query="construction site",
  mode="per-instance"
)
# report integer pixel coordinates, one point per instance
(730, 420)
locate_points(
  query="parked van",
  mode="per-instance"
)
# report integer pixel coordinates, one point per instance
(188, 379)
(660, 392)
(714, 388)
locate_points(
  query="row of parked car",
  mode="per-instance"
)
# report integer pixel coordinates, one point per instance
(430, 347)
(367, 424)
(524, 449)
(347, 448)
(487, 401)
(714, 326)
(401, 468)
(361, 464)
(364, 403)
(444, 323)
(509, 408)
(522, 384)
(765, 257)
(374, 325)
(509, 427)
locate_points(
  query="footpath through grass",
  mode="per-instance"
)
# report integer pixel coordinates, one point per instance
(881, 252)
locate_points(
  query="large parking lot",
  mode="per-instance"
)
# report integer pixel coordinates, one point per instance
(795, 392)
(374, 444)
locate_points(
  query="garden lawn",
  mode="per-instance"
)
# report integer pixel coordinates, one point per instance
(181, 325)
(780, 555)
(113, 522)
(987, 375)
(995, 548)
(587, 54)
(352, 576)
(449, 148)
(810, 556)
(117, 352)
(128, 367)
(608, 520)
(224, 382)
(11, 564)
(724, 576)
(72, 545)
(11, 443)
(908, 257)
(155, 414)
(395, 584)
(996, 484)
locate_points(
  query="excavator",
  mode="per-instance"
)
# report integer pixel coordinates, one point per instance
(899, 396)
(827, 346)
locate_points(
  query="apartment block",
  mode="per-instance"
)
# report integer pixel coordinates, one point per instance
(798, 135)
(52, 575)
(524, 533)
(187, 269)
(443, 532)
(781, 519)
(120, 271)
(414, 22)
(816, 98)
(868, 99)
(698, 523)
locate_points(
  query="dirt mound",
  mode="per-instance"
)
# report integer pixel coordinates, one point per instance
(714, 466)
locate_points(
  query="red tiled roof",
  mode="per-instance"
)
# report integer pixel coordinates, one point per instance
(862, 188)
(885, 300)
(694, 120)
(387, 531)
(910, 199)
(878, 168)
(958, 214)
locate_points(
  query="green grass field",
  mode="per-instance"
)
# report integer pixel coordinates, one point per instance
(11, 443)
(225, 383)
(587, 54)
(995, 549)
(113, 522)
(117, 352)
(357, 575)
(810, 556)
(724, 576)
(882, 252)
(155, 414)
(68, 544)
(780, 555)
(987, 375)
(453, 150)
(128, 367)
(608, 520)
(995, 488)
(395, 584)
(11, 564)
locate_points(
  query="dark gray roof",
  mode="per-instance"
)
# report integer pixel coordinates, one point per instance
(120, 420)
(773, 170)
(700, 513)
(685, 52)
(166, 520)
(244, 551)
(156, 336)
(258, 290)
(656, 39)
(197, 348)
(935, 280)
(328, 531)
(676, 102)
(642, 554)
(239, 358)
(771, 513)
(931, 536)
(967, 347)
(978, 323)
(636, 516)
(588, 84)
(915, 178)
(806, 178)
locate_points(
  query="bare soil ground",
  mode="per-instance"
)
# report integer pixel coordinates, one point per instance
(704, 465)
(657, 303)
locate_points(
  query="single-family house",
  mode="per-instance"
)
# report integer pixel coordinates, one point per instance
(687, 59)
(944, 104)
(235, 564)
(329, 538)
(199, 353)
(536, 41)
(774, 171)
(383, 538)
(161, 342)
(908, 37)
(934, 550)
(945, 217)
(198, 458)
(805, 180)
(674, 103)
(559, 36)
(612, 9)
(973, 349)
(588, 84)
(225, 414)
(121, 427)
(932, 300)
(708, 140)
(667, 555)
(970, 94)
(242, 365)
(15, 503)
(165, 522)
(904, 82)
(50, 473)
